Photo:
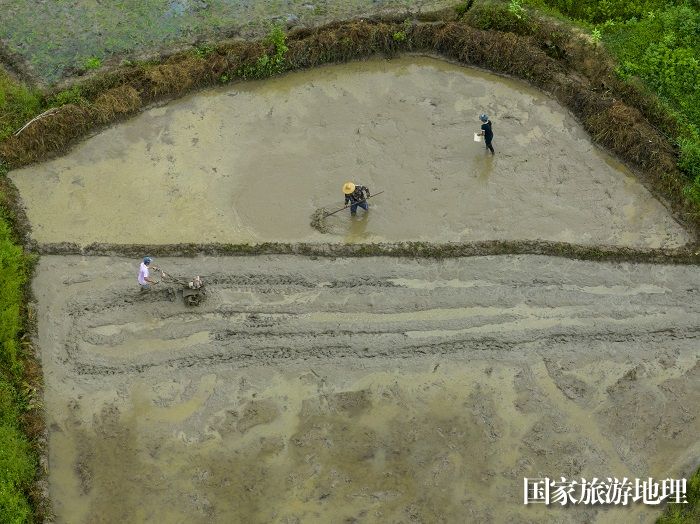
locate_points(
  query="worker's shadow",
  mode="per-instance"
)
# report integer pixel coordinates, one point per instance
(358, 226)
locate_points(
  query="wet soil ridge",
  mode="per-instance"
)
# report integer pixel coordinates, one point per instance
(550, 57)
(687, 255)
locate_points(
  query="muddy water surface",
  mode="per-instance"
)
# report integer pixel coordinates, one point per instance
(363, 390)
(252, 162)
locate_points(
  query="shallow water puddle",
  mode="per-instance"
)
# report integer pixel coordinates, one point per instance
(254, 161)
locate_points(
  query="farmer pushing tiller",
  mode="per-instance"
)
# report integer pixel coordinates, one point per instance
(193, 291)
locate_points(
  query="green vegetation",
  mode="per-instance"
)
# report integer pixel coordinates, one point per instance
(685, 513)
(598, 11)
(663, 49)
(462, 8)
(92, 63)
(204, 50)
(17, 459)
(509, 17)
(68, 96)
(515, 7)
(268, 65)
(399, 36)
(17, 104)
(658, 42)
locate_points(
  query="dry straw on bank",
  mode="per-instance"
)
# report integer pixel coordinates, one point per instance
(116, 102)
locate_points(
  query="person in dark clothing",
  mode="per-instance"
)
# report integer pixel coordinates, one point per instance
(487, 132)
(356, 196)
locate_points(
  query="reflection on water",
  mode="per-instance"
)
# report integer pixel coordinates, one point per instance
(357, 231)
(485, 167)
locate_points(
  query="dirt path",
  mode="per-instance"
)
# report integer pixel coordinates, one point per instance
(253, 162)
(372, 389)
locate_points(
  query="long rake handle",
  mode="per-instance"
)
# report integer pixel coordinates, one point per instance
(354, 203)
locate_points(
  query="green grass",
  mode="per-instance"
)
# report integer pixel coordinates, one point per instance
(499, 16)
(17, 104)
(92, 63)
(685, 513)
(17, 459)
(268, 65)
(663, 49)
(599, 11)
(656, 41)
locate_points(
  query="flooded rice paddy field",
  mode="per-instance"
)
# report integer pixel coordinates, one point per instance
(55, 39)
(254, 161)
(363, 390)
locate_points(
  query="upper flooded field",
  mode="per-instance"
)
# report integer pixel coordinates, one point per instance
(254, 162)
(56, 39)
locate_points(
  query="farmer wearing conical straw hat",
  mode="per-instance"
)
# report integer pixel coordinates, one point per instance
(356, 196)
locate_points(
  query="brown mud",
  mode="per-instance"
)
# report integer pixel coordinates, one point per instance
(370, 389)
(251, 163)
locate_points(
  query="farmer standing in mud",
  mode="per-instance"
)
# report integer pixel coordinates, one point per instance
(144, 279)
(487, 132)
(356, 196)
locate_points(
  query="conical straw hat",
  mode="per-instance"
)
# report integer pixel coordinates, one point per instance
(348, 188)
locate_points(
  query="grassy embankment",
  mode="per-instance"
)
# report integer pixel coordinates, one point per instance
(657, 43)
(18, 375)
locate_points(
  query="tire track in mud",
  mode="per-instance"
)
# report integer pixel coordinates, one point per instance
(470, 372)
(264, 317)
(277, 354)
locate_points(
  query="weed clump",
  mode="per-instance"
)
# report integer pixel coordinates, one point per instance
(92, 63)
(510, 18)
(74, 95)
(268, 64)
(116, 102)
